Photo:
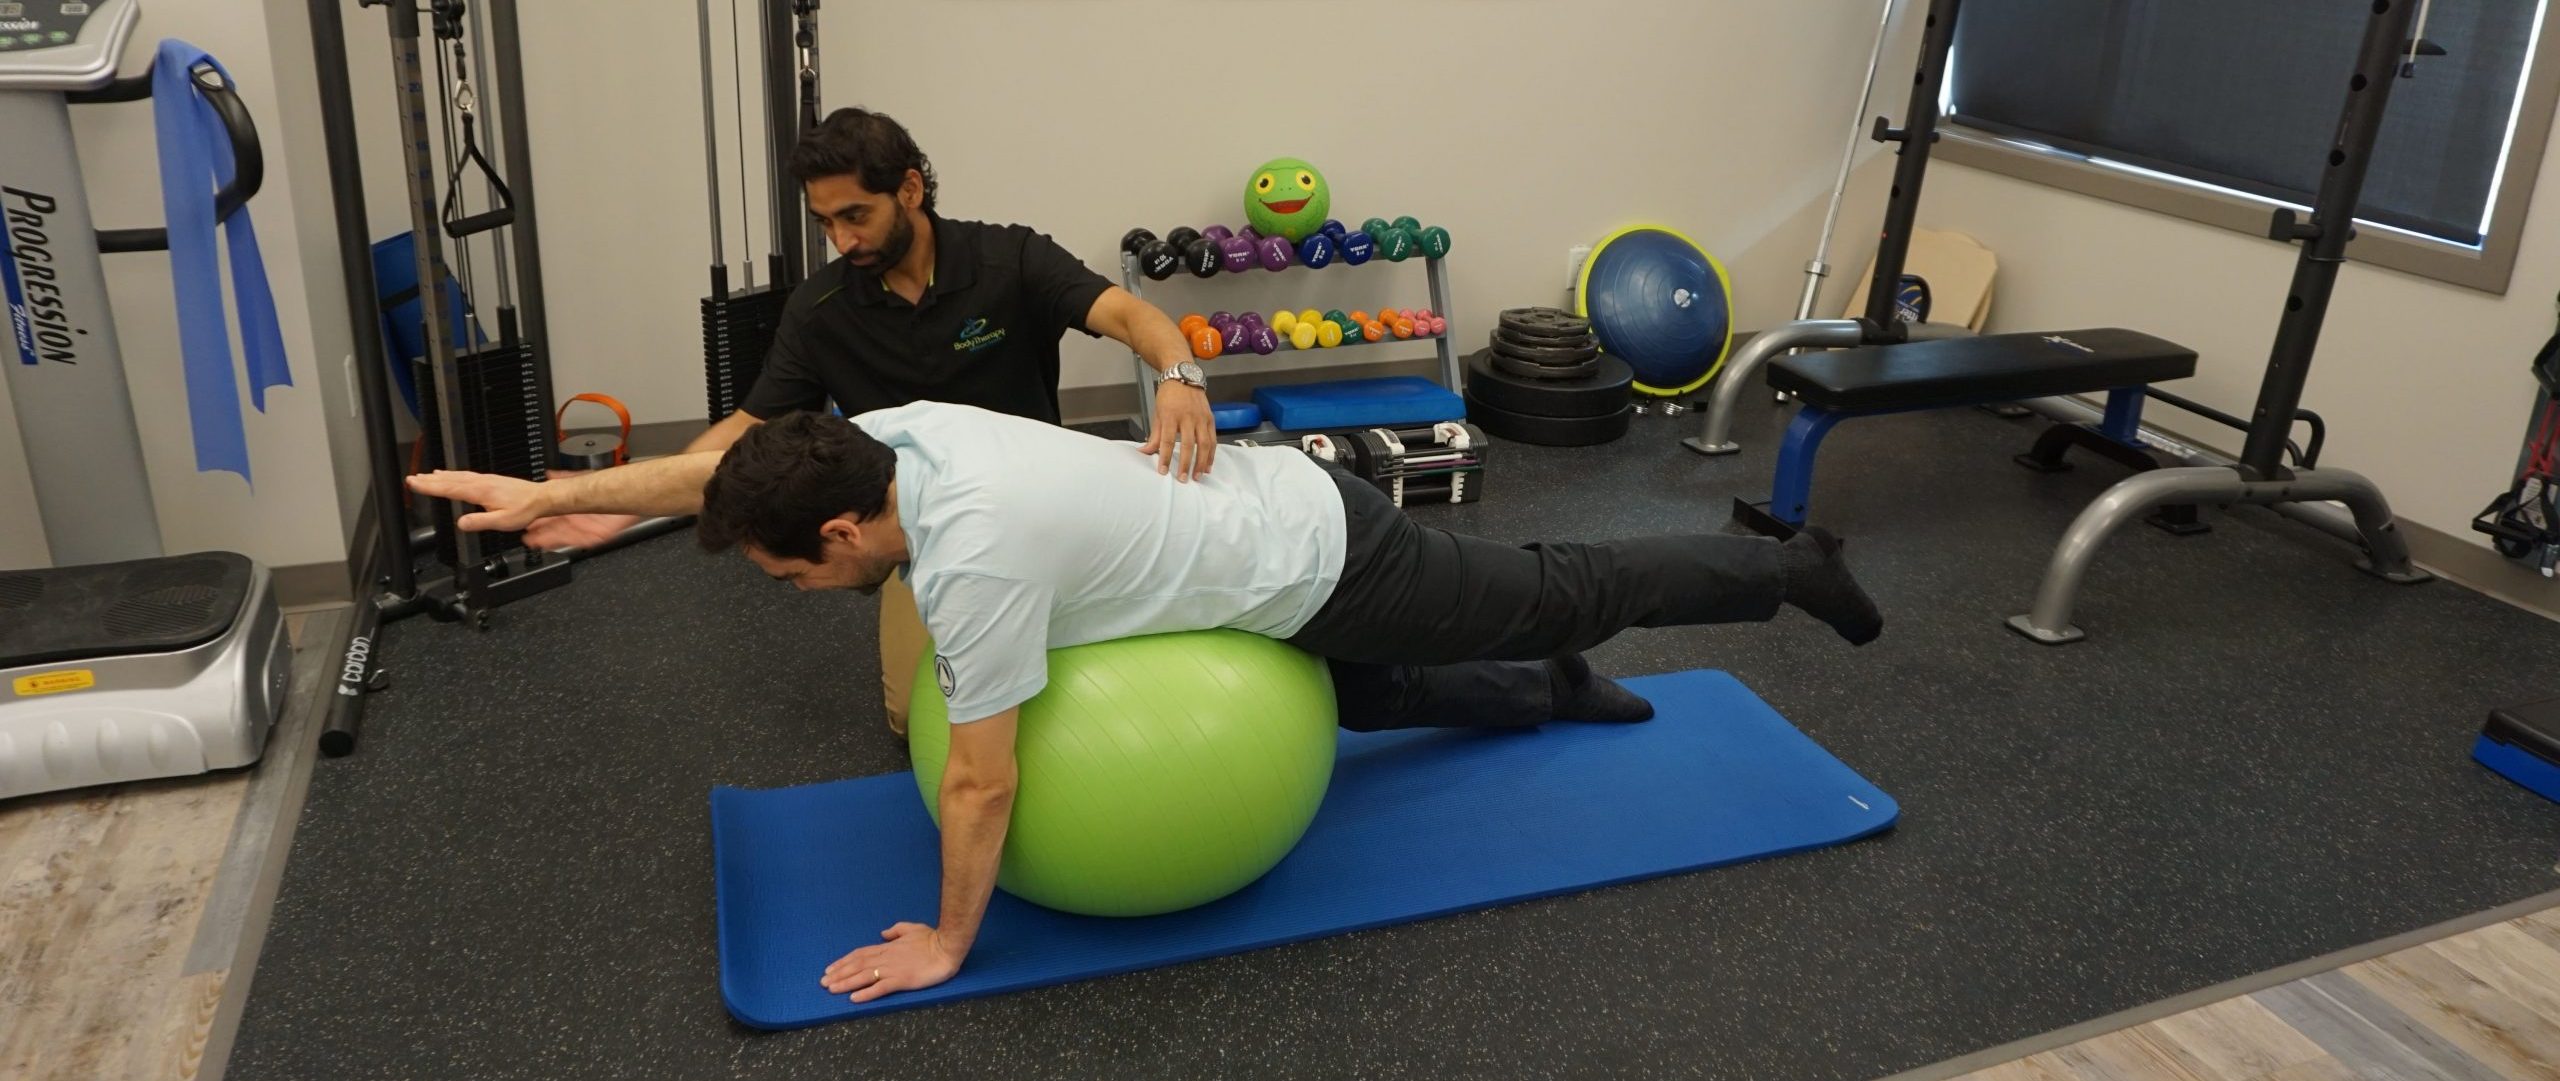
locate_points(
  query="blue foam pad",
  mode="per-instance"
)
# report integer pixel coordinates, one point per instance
(1388, 402)
(1235, 416)
(2519, 765)
(1417, 824)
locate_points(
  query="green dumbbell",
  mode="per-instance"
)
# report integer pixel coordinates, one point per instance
(1397, 245)
(1376, 228)
(1408, 224)
(1435, 242)
(1338, 318)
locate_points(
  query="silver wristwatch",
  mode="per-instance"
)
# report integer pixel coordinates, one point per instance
(1188, 373)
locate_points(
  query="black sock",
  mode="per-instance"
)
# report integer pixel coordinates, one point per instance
(1818, 581)
(1581, 696)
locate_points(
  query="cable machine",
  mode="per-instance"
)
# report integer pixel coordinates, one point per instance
(485, 396)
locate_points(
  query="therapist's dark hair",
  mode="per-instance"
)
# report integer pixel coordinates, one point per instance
(865, 145)
(786, 477)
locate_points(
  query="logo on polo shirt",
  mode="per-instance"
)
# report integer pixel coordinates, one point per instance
(942, 675)
(975, 336)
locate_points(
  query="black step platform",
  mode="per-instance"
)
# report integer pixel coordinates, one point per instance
(1971, 371)
(64, 614)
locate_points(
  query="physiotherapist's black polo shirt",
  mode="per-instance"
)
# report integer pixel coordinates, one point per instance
(984, 333)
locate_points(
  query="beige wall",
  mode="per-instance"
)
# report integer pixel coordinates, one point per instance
(1524, 127)
(291, 515)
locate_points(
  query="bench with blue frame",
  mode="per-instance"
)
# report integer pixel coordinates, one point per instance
(1880, 379)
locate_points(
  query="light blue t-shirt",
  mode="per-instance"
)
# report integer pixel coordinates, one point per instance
(1023, 537)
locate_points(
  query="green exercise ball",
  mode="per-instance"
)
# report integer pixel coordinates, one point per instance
(1286, 197)
(1156, 773)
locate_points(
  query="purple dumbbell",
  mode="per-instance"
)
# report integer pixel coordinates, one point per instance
(1222, 320)
(1217, 232)
(1276, 253)
(1251, 319)
(1238, 253)
(1239, 337)
(1262, 340)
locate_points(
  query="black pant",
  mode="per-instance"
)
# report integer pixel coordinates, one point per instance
(1429, 628)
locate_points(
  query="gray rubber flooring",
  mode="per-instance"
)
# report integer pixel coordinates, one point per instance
(2259, 757)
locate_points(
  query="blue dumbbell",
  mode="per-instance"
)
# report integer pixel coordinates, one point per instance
(1316, 251)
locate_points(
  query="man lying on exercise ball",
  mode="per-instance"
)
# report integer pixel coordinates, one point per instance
(1020, 537)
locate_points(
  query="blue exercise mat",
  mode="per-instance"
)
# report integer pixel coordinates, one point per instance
(1417, 824)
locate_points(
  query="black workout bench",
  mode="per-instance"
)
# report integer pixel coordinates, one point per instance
(1878, 379)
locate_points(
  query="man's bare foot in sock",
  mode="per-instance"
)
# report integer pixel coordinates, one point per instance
(1579, 695)
(1818, 581)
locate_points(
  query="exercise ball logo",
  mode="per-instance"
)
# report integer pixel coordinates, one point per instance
(942, 674)
(1682, 298)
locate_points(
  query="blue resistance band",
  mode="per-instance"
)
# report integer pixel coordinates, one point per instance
(195, 162)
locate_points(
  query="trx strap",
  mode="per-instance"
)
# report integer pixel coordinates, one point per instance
(195, 162)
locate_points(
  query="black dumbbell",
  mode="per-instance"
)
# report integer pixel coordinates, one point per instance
(1135, 239)
(1182, 237)
(1158, 260)
(1202, 258)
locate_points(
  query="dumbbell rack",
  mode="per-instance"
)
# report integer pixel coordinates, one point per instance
(1435, 271)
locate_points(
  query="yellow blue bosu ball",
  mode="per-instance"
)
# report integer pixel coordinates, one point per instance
(1155, 773)
(1659, 302)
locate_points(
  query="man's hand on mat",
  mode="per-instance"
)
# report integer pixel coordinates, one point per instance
(914, 958)
(510, 504)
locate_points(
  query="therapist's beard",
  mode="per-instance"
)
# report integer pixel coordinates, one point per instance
(902, 236)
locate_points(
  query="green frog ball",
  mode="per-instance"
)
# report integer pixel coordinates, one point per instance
(1286, 197)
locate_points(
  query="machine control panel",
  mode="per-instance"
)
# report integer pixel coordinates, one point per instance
(41, 24)
(63, 44)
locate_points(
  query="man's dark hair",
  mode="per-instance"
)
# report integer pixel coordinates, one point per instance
(784, 478)
(865, 145)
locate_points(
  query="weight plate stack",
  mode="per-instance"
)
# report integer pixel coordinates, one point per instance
(1542, 379)
(1544, 343)
(1606, 390)
(1548, 431)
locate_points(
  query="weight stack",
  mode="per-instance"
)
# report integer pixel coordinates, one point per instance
(504, 424)
(737, 332)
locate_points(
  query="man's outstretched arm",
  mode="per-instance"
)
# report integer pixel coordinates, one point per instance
(661, 486)
(978, 783)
